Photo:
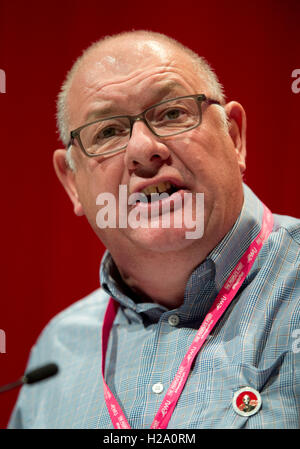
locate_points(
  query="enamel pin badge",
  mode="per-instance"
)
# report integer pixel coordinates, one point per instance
(246, 401)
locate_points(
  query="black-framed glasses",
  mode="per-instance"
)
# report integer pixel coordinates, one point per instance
(168, 118)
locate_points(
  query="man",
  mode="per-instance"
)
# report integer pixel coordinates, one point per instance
(141, 112)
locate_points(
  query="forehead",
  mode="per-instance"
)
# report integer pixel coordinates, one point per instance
(124, 56)
(131, 68)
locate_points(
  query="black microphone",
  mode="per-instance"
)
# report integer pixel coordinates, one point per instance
(35, 375)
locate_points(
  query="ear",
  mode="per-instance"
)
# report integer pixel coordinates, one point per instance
(237, 131)
(67, 178)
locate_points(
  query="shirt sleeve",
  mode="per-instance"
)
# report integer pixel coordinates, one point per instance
(23, 408)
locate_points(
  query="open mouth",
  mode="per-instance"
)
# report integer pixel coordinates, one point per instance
(157, 192)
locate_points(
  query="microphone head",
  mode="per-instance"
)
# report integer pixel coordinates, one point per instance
(41, 373)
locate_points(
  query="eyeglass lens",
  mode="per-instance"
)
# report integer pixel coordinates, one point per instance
(165, 119)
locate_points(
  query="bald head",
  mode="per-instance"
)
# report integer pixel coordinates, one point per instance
(118, 53)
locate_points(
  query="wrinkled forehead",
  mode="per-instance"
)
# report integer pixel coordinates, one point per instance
(122, 58)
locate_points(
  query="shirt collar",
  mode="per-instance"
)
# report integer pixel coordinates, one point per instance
(217, 266)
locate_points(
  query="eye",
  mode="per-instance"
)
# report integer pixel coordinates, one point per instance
(108, 132)
(172, 114)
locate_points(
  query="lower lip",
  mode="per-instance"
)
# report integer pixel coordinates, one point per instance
(171, 203)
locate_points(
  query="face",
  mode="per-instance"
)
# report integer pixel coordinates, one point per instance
(246, 399)
(126, 77)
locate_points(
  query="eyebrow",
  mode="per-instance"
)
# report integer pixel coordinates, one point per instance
(159, 94)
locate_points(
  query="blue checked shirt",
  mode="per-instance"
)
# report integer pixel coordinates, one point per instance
(255, 344)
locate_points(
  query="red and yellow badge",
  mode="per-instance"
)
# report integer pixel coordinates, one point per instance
(246, 401)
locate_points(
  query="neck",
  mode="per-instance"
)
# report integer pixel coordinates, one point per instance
(159, 277)
(161, 281)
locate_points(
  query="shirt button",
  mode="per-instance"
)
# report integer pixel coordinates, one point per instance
(173, 320)
(157, 388)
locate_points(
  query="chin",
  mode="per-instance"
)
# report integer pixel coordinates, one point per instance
(160, 240)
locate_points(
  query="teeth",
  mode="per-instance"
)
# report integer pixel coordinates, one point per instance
(163, 186)
(159, 188)
(152, 189)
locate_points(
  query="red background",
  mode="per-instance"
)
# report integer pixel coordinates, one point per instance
(49, 257)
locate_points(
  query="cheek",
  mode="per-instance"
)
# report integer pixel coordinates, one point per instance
(103, 175)
(207, 156)
(193, 150)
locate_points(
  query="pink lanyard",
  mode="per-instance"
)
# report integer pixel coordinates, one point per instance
(222, 301)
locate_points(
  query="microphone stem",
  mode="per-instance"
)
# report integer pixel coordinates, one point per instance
(12, 385)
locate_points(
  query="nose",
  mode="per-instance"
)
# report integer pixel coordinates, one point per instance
(145, 152)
